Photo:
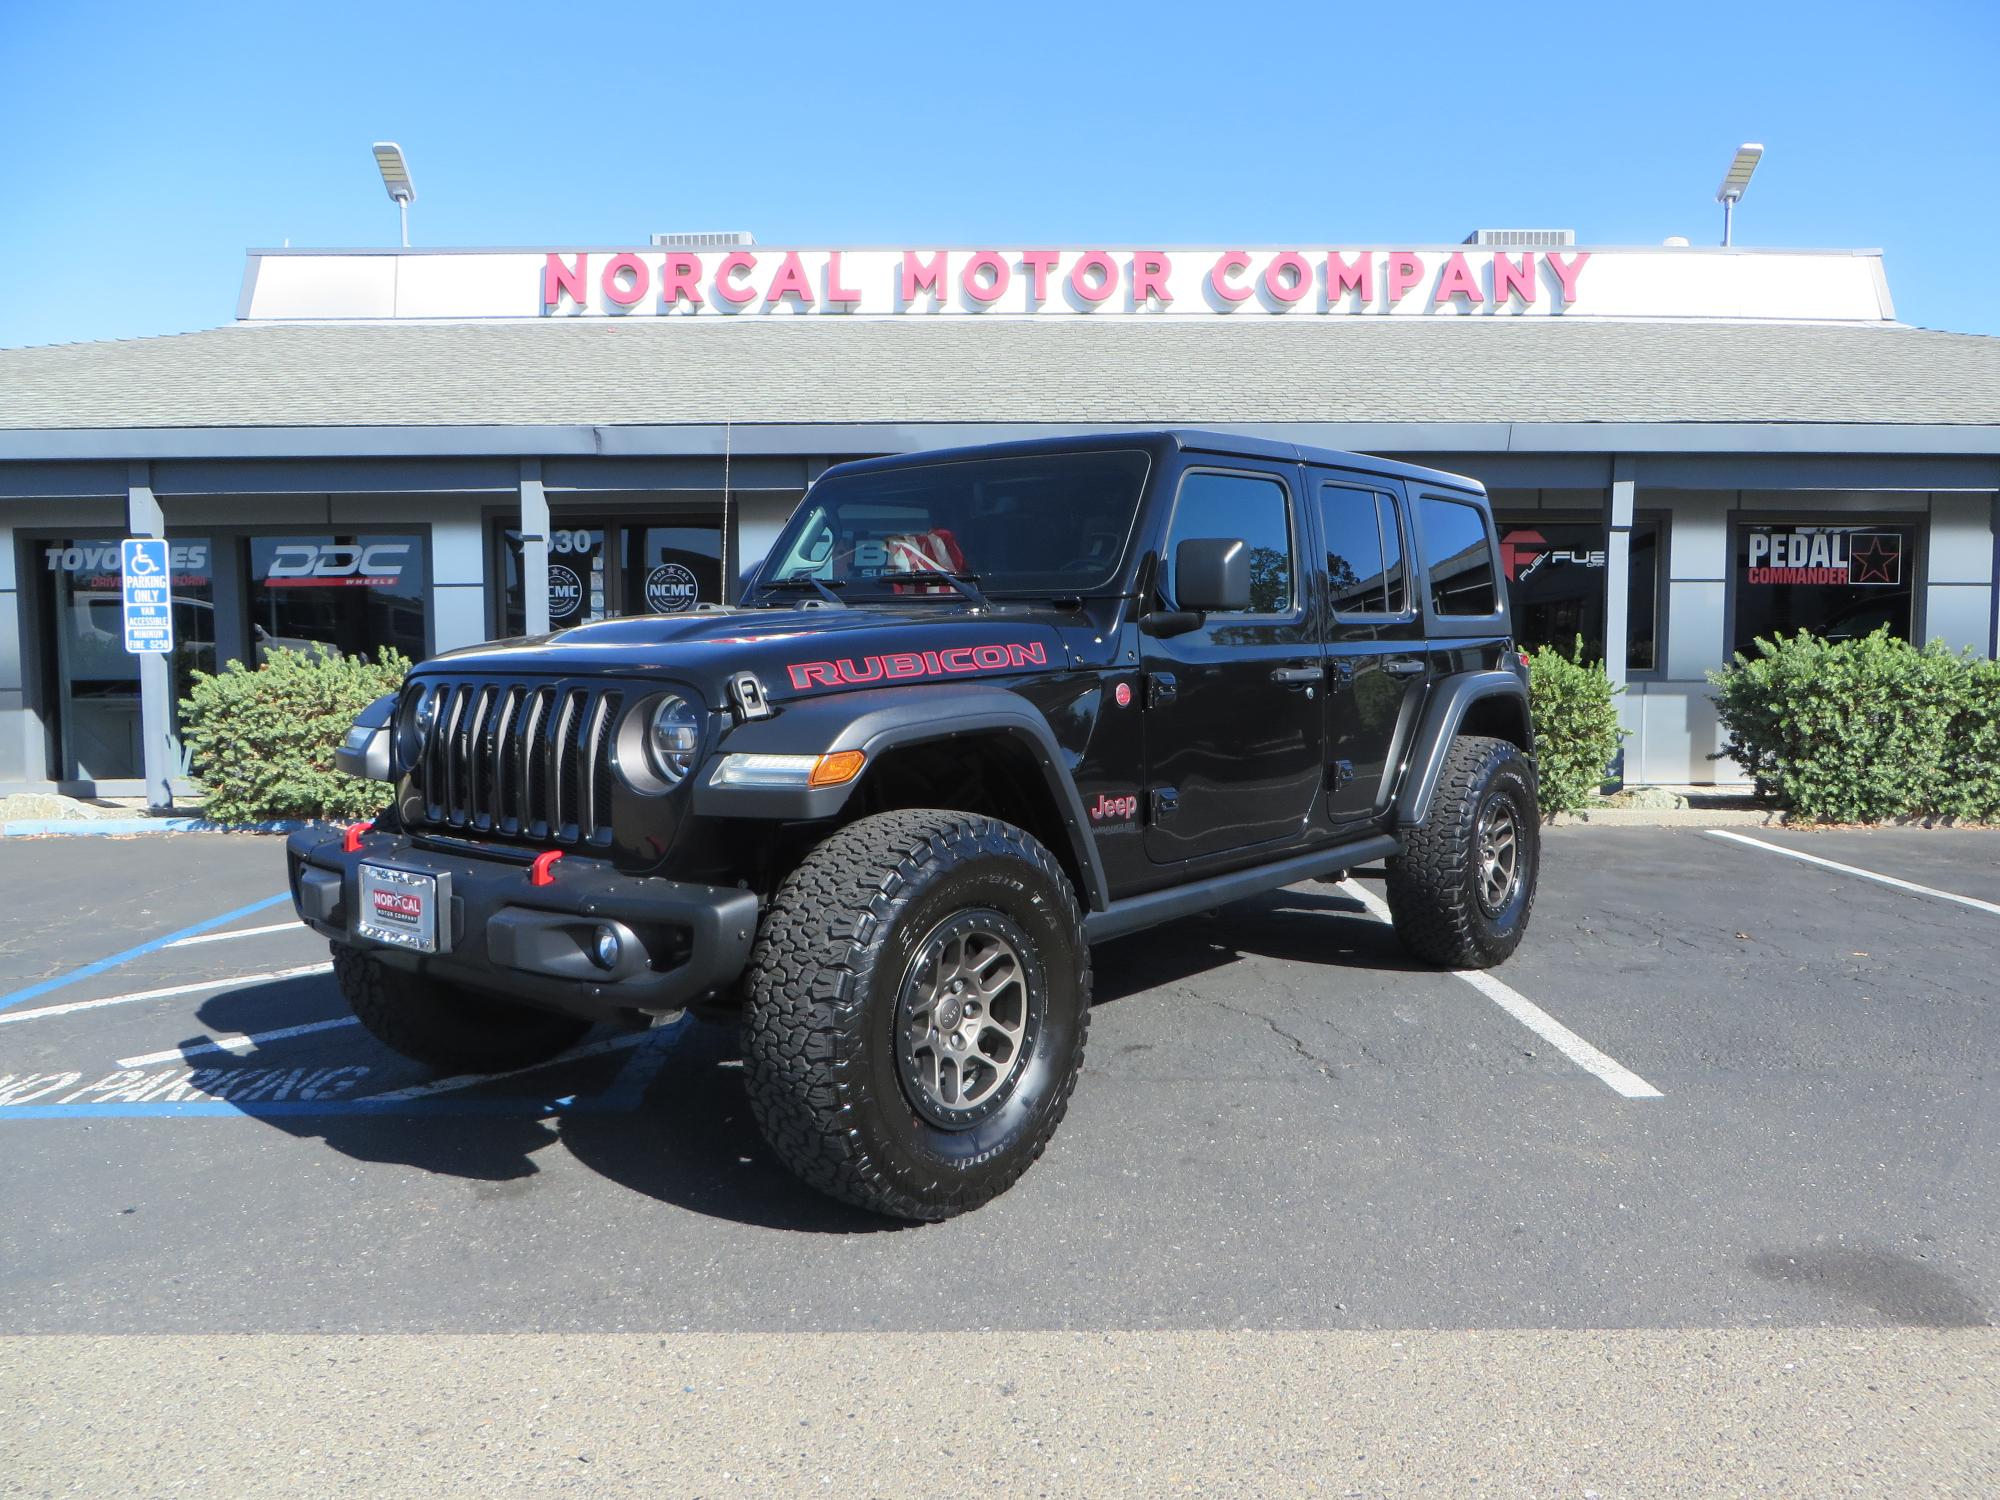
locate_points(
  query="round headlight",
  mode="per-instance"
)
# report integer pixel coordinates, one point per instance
(419, 713)
(673, 738)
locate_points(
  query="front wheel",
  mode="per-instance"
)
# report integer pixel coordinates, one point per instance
(1463, 887)
(918, 999)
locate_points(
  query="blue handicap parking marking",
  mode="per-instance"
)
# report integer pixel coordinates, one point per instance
(255, 1088)
(90, 970)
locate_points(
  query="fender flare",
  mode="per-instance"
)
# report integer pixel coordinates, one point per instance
(879, 721)
(1449, 703)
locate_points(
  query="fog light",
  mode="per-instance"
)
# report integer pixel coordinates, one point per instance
(606, 949)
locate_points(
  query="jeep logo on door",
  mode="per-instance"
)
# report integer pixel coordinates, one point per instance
(671, 590)
(301, 565)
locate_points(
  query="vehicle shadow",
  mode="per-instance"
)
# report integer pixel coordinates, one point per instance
(691, 1141)
(669, 1118)
(1318, 926)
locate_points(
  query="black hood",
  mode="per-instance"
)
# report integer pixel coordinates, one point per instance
(793, 652)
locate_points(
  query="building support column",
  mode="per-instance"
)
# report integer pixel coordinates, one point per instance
(534, 547)
(1617, 591)
(144, 517)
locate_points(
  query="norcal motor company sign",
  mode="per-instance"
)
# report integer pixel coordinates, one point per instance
(1036, 281)
(760, 281)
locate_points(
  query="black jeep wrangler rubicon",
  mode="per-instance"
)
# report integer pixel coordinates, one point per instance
(978, 710)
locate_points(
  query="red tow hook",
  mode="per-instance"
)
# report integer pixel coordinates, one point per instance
(350, 842)
(543, 870)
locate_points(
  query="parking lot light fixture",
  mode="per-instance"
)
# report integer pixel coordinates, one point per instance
(1734, 182)
(396, 178)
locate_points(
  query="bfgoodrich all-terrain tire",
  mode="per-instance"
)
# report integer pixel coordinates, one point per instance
(1463, 887)
(918, 1000)
(445, 1027)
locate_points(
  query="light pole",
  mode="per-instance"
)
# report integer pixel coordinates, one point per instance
(1733, 183)
(396, 178)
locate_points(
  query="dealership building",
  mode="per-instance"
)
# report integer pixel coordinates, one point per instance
(1686, 448)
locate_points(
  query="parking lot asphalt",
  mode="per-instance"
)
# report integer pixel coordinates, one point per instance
(1283, 1123)
(1284, 1127)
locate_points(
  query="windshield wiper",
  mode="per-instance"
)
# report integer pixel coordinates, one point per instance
(963, 582)
(824, 587)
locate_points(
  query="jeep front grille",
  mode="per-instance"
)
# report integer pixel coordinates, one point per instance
(519, 760)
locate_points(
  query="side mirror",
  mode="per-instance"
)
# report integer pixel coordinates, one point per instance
(1212, 573)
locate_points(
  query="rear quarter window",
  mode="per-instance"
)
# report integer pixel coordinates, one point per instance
(1458, 556)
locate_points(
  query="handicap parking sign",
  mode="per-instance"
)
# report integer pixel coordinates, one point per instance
(149, 589)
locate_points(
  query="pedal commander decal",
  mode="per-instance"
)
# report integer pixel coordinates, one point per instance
(900, 666)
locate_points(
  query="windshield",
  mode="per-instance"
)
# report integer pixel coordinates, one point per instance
(1054, 523)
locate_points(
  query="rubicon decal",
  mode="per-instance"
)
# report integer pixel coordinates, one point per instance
(899, 666)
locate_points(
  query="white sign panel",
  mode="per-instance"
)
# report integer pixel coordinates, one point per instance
(149, 594)
(1435, 281)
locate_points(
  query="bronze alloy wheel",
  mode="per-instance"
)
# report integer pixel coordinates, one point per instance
(967, 1016)
(1499, 853)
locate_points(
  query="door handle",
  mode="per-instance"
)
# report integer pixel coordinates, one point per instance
(1298, 675)
(1403, 667)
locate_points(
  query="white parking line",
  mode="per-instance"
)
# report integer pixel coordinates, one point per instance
(1834, 864)
(237, 982)
(223, 937)
(234, 1043)
(1614, 1074)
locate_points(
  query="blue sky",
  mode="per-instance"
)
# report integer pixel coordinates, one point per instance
(149, 145)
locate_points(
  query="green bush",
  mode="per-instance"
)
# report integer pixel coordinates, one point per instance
(1861, 730)
(1576, 726)
(262, 742)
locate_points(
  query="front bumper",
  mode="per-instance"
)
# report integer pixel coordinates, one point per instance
(500, 933)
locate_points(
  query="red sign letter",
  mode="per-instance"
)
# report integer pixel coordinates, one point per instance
(1150, 270)
(1039, 264)
(922, 276)
(1226, 264)
(1342, 278)
(1457, 281)
(791, 281)
(1107, 277)
(991, 289)
(1405, 271)
(680, 275)
(617, 291)
(558, 278)
(1566, 274)
(1508, 279)
(730, 291)
(1285, 291)
(835, 292)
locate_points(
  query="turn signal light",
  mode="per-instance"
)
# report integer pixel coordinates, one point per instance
(836, 768)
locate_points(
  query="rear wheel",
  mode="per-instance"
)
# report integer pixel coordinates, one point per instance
(448, 1028)
(1463, 888)
(918, 1000)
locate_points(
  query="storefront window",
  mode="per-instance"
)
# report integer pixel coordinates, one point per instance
(1840, 582)
(97, 679)
(1555, 583)
(671, 569)
(351, 593)
(577, 592)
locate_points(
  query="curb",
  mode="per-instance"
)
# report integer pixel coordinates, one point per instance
(123, 827)
(1672, 817)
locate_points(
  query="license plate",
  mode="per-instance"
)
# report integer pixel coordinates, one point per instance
(399, 907)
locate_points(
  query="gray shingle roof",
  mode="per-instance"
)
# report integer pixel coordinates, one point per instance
(806, 370)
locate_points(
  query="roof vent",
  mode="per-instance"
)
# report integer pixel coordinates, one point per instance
(1522, 239)
(719, 240)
